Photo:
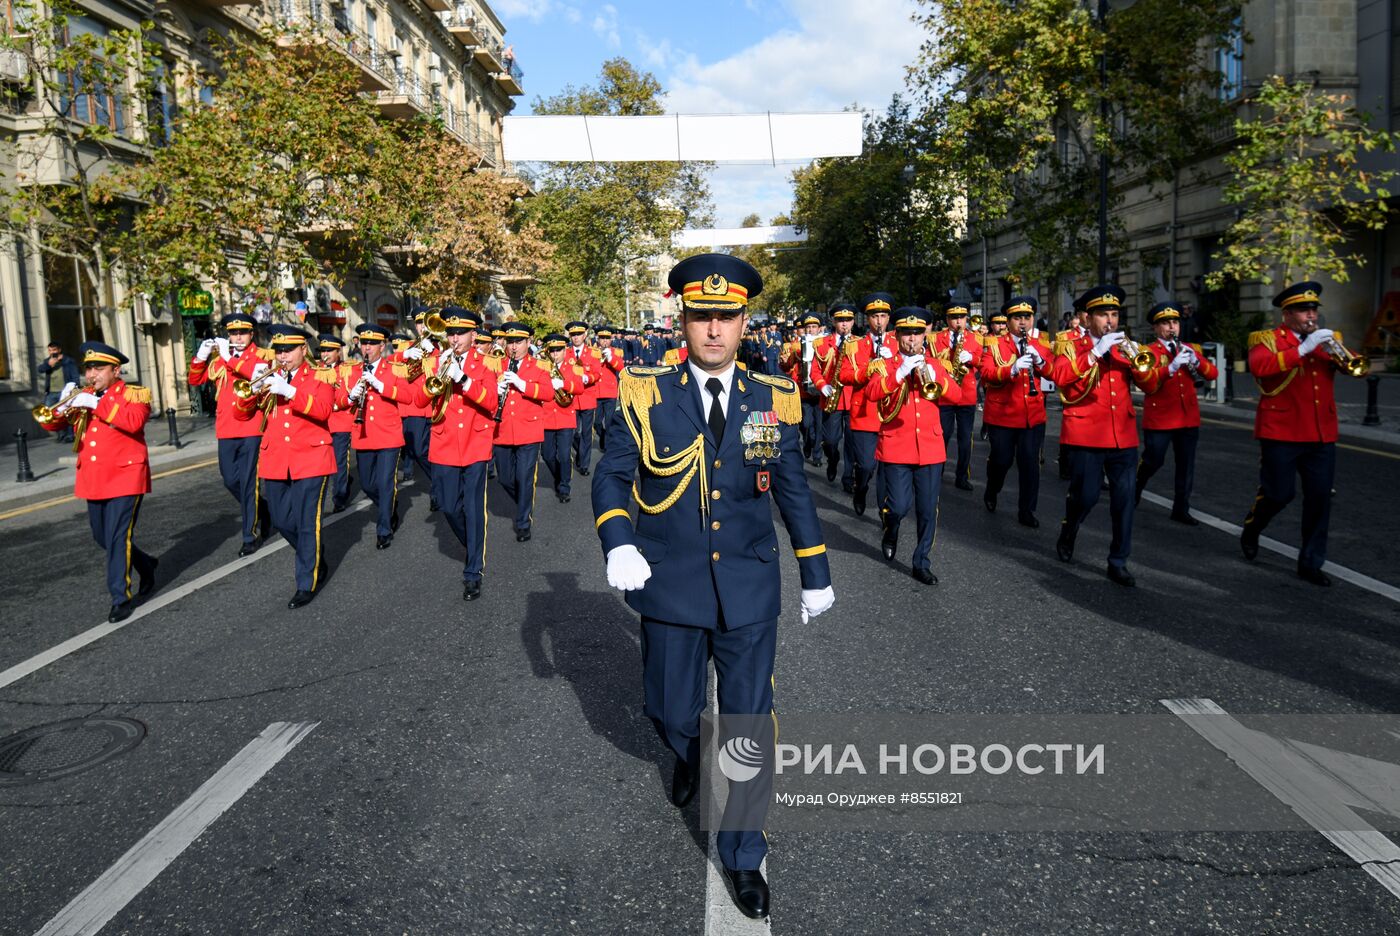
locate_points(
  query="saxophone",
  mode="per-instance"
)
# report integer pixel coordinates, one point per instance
(562, 397)
(832, 403)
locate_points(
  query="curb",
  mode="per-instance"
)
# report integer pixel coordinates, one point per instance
(1344, 430)
(60, 484)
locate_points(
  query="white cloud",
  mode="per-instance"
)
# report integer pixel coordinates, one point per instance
(532, 10)
(605, 25)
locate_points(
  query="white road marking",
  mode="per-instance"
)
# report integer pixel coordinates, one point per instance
(1315, 796)
(722, 917)
(105, 897)
(159, 600)
(1373, 585)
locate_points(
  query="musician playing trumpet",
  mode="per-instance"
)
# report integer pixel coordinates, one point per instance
(1296, 423)
(963, 350)
(1095, 374)
(905, 389)
(560, 411)
(108, 417)
(1014, 414)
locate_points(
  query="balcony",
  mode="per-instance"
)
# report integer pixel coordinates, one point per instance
(406, 98)
(511, 77)
(483, 144)
(437, 6)
(464, 25)
(311, 22)
(489, 54)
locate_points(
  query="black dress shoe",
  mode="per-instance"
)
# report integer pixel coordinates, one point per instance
(471, 591)
(889, 542)
(522, 535)
(563, 498)
(434, 506)
(119, 612)
(382, 542)
(831, 468)
(858, 501)
(750, 892)
(301, 599)
(583, 471)
(1064, 546)
(683, 785)
(247, 549)
(1249, 544)
(1028, 520)
(1121, 576)
(962, 484)
(148, 578)
(394, 522)
(989, 500)
(924, 576)
(1316, 576)
(322, 573)
(1185, 519)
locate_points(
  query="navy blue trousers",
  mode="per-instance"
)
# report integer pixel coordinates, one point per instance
(516, 469)
(583, 438)
(1087, 468)
(340, 485)
(960, 418)
(863, 446)
(416, 433)
(557, 455)
(913, 487)
(296, 513)
(379, 480)
(238, 466)
(674, 678)
(461, 495)
(113, 523)
(1022, 446)
(1154, 454)
(837, 443)
(606, 408)
(812, 429)
(1315, 463)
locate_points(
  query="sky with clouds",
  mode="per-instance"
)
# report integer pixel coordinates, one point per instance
(724, 57)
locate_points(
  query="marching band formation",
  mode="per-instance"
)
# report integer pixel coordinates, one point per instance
(700, 435)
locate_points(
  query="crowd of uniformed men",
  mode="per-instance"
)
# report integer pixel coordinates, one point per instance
(711, 425)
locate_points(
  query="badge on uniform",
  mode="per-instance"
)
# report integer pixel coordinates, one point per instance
(765, 481)
(761, 435)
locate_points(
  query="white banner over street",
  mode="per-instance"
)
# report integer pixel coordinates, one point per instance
(739, 237)
(722, 138)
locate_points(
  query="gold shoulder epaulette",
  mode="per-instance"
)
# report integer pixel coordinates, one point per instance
(786, 402)
(1063, 344)
(1265, 338)
(344, 371)
(1065, 335)
(266, 354)
(400, 370)
(135, 393)
(672, 357)
(641, 370)
(741, 365)
(327, 375)
(494, 364)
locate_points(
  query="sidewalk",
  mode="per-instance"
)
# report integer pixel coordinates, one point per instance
(53, 463)
(1351, 407)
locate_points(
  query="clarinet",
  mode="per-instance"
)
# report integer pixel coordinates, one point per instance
(514, 366)
(1034, 389)
(360, 406)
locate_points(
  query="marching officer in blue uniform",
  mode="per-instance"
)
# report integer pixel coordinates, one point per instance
(708, 444)
(650, 349)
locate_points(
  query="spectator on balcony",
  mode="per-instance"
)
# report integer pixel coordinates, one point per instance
(509, 56)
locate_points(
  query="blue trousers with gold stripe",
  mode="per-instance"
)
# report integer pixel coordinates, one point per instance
(957, 424)
(863, 449)
(296, 513)
(674, 675)
(113, 523)
(603, 420)
(1087, 467)
(583, 438)
(461, 495)
(238, 466)
(1007, 445)
(379, 480)
(417, 432)
(340, 487)
(557, 454)
(1313, 463)
(913, 487)
(516, 468)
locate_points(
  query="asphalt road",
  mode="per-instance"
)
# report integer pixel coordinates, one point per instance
(486, 768)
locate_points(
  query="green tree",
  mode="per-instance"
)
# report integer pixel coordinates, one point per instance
(602, 216)
(1297, 175)
(775, 300)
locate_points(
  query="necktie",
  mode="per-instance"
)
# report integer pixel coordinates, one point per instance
(716, 410)
(1171, 346)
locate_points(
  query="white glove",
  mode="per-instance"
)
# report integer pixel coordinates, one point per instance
(259, 369)
(885, 352)
(427, 344)
(223, 347)
(586, 379)
(1314, 341)
(1183, 359)
(413, 354)
(607, 354)
(512, 379)
(828, 391)
(206, 348)
(356, 393)
(67, 389)
(84, 400)
(628, 569)
(1034, 352)
(375, 382)
(1107, 343)
(281, 386)
(454, 371)
(1022, 364)
(501, 387)
(910, 364)
(555, 382)
(964, 357)
(815, 601)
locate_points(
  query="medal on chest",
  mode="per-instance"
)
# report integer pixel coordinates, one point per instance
(760, 435)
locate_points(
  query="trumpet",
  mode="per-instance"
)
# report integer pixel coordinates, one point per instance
(929, 387)
(562, 397)
(43, 414)
(438, 384)
(1353, 365)
(247, 389)
(1141, 359)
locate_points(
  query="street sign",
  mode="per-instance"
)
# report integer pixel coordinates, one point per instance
(195, 303)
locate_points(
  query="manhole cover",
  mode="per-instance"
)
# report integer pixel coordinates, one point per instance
(61, 749)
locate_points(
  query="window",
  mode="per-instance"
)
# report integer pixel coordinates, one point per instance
(160, 109)
(84, 100)
(1229, 62)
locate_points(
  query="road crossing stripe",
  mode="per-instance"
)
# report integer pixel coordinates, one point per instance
(722, 917)
(1373, 585)
(1260, 755)
(160, 600)
(105, 897)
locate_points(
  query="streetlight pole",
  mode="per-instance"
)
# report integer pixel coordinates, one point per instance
(908, 174)
(1103, 148)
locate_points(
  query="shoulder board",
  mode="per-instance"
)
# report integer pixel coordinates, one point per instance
(1265, 338)
(672, 357)
(326, 375)
(741, 365)
(493, 363)
(786, 402)
(1065, 335)
(641, 370)
(266, 354)
(135, 393)
(344, 371)
(1200, 352)
(400, 370)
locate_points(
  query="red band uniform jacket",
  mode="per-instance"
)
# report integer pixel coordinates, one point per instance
(112, 458)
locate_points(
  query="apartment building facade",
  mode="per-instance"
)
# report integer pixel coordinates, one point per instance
(1350, 47)
(415, 57)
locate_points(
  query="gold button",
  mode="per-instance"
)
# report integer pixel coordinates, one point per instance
(286, 438)
(94, 458)
(714, 495)
(717, 463)
(714, 525)
(460, 426)
(714, 556)
(286, 425)
(93, 444)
